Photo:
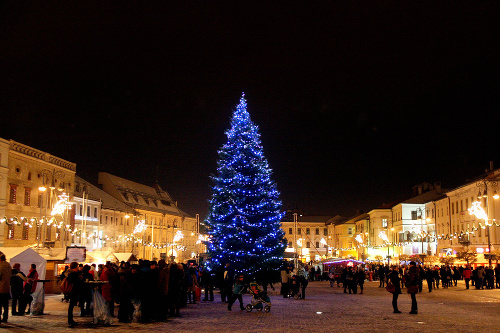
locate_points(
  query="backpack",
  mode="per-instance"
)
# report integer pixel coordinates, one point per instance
(66, 286)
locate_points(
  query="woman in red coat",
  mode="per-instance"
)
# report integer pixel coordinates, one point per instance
(108, 275)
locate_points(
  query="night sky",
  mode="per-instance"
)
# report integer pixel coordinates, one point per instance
(356, 103)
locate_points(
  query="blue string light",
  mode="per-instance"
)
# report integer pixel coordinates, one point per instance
(245, 209)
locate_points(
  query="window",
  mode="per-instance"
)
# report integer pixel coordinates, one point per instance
(27, 196)
(325, 231)
(11, 231)
(317, 231)
(29, 175)
(308, 245)
(48, 236)
(26, 230)
(88, 211)
(317, 245)
(384, 223)
(413, 214)
(290, 230)
(349, 231)
(13, 193)
(308, 232)
(81, 210)
(95, 211)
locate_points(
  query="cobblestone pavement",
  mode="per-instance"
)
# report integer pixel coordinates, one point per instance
(325, 309)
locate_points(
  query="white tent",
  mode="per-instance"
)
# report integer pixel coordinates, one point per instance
(26, 256)
(125, 256)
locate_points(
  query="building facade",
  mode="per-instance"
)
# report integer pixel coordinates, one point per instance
(35, 187)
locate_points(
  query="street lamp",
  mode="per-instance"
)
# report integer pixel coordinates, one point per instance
(41, 189)
(125, 230)
(487, 184)
(420, 216)
(50, 178)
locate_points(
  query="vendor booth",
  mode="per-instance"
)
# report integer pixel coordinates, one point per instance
(26, 256)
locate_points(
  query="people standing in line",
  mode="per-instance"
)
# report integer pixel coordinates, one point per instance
(16, 287)
(467, 274)
(5, 275)
(412, 288)
(393, 277)
(237, 294)
(74, 277)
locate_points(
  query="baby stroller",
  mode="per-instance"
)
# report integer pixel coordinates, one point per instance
(260, 300)
(294, 288)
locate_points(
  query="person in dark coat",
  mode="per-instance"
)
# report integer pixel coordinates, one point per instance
(207, 282)
(86, 291)
(429, 276)
(361, 277)
(393, 277)
(75, 278)
(412, 281)
(303, 286)
(16, 288)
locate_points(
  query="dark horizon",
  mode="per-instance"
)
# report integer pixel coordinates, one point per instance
(356, 103)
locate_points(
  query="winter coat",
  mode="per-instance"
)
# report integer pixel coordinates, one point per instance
(5, 275)
(17, 282)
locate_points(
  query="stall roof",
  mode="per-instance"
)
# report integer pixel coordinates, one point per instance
(123, 256)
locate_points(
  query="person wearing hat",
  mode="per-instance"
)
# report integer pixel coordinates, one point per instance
(16, 287)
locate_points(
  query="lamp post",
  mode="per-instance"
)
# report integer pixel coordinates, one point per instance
(125, 230)
(50, 178)
(295, 239)
(41, 189)
(486, 183)
(420, 216)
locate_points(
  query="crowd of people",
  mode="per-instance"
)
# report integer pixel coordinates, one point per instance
(16, 285)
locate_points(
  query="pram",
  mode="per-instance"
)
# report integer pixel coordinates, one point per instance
(260, 300)
(294, 288)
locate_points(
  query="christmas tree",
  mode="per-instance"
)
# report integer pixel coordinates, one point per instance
(245, 209)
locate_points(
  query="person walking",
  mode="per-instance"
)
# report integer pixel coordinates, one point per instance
(5, 275)
(393, 277)
(16, 287)
(239, 285)
(412, 286)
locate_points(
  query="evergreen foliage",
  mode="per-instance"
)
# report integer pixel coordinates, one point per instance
(245, 209)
